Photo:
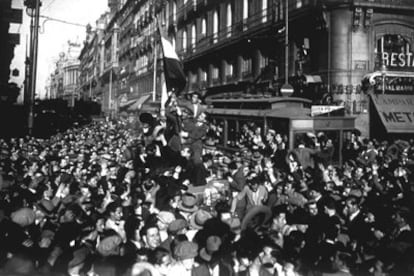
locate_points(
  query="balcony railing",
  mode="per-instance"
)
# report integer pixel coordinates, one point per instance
(235, 31)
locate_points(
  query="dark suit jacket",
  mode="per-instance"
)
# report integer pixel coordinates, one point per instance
(203, 270)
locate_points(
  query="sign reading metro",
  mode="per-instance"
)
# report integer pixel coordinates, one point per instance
(396, 112)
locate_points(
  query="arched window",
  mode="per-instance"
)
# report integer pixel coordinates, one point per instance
(229, 19)
(215, 26)
(389, 47)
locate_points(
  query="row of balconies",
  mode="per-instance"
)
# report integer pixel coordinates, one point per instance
(233, 32)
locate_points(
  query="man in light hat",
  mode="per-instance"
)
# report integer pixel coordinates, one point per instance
(187, 205)
(184, 252)
(164, 220)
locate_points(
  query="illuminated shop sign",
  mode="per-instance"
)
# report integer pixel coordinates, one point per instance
(398, 60)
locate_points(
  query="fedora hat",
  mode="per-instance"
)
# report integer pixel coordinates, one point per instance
(198, 218)
(257, 156)
(213, 244)
(209, 144)
(188, 203)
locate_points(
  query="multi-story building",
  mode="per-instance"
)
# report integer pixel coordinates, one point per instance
(71, 74)
(64, 81)
(227, 45)
(56, 78)
(234, 46)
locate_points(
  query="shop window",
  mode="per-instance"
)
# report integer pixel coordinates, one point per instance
(246, 66)
(203, 78)
(263, 60)
(229, 70)
(215, 75)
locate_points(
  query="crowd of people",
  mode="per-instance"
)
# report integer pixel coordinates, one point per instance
(158, 197)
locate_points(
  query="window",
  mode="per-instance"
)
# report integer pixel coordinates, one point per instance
(203, 77)
(392, 45)
(184, 41)
(264, 11)
(246, 66)
(215, 26)
(229, 70)
(215, 73)
(203, 27)
(193, 37)
(263, 60)
(174, 11)
(245, 9)
(229, 20)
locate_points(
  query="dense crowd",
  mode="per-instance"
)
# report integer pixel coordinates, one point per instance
(156, 196)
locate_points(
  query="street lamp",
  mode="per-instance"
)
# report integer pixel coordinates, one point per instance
(286, 89)
(32, 10)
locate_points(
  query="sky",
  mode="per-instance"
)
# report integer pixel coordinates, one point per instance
(53, 36)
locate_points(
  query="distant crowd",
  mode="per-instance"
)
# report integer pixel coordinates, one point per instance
(156, 196)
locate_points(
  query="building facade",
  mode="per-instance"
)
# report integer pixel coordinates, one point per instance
(238, 46)
(226, 46)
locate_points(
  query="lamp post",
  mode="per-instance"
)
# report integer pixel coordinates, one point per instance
(33, 7)
(286, 89)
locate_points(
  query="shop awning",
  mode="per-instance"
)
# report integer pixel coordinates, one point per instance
(138, 103)
(396, 112)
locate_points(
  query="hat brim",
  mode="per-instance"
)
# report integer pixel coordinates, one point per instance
(193, 224)
(257, 216)
(186, 209)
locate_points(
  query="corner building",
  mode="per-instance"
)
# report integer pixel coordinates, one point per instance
(344, 49)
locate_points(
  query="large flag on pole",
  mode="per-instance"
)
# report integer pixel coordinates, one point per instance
(173, 69)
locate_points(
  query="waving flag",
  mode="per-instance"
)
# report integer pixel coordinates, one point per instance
(173, 69)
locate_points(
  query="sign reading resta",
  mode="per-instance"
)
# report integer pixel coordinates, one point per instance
(398, 59)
